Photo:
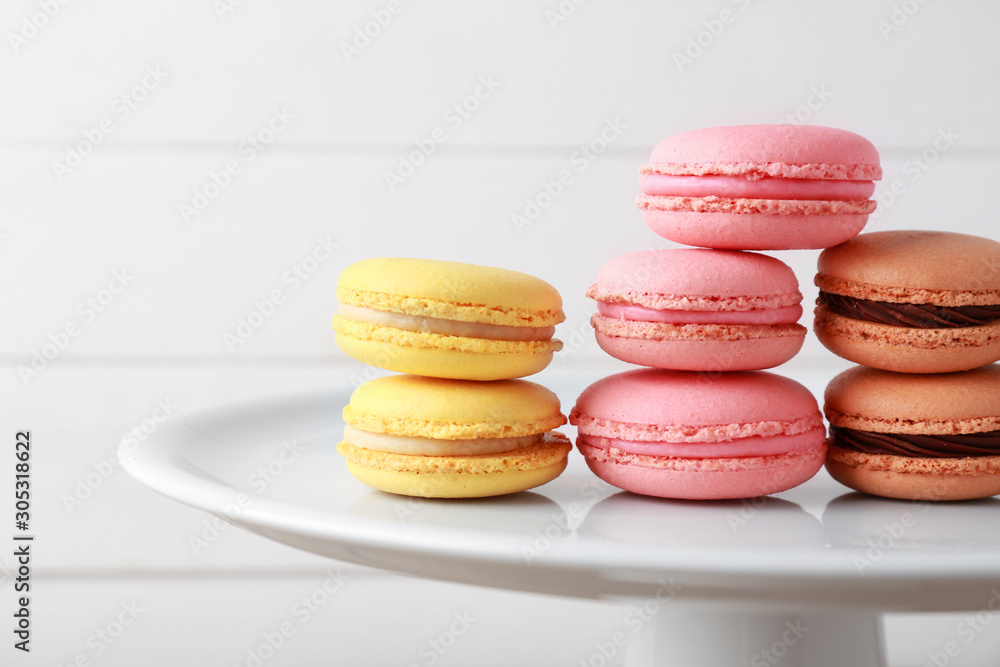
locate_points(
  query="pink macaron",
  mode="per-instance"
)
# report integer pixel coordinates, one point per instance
(698, 310)
(760, 187)
(687, 435)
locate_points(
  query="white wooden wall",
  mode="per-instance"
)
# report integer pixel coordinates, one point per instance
(168, 170)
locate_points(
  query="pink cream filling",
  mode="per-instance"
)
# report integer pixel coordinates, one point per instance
(620, 311)
(740, 187)
(742, 447)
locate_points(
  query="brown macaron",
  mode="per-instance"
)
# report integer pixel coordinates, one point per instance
(916, 436)
(911, 301)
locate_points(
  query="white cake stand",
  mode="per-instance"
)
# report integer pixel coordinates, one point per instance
(801, 578)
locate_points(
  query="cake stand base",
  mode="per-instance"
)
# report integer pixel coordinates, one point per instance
(693, 637)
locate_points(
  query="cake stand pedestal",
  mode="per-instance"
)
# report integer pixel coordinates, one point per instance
(686, 636)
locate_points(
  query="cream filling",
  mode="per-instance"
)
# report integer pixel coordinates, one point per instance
(418, 446)
(437, 325)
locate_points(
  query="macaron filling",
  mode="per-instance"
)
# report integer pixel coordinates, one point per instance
(754, 187)
(910, 315)
(421, 446)
(738, 448)
(917, 445)
(635, 313)
(442, 326)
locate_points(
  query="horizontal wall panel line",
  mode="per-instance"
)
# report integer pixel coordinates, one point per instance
(227, 572)
(392, 150)
(222, 360)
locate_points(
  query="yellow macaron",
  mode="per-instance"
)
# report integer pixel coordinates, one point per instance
(442, 438)
(446, 319)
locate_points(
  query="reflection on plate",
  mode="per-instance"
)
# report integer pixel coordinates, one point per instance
(752, 523)
(516, 514)
(881, 524)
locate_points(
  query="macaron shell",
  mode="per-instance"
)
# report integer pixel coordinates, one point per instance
(411, 405)
(651, 404)
(868, 399)
(742, 231)
(779, 150)
(697, 279)
(454, 485)
(701, 347)
(442, 356)
(459, 476)
(914, 266)
(907, 478)
(905, 349)
(706, 479)
(450, 290)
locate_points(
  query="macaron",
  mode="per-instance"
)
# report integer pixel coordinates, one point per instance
(446, 319)
(698, 309)
(675, 434)
(440, 438)
(916, 436)
(911, 301)
(760, 187)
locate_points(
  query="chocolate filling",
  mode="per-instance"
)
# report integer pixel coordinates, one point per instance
(919, 446)
(913, 315)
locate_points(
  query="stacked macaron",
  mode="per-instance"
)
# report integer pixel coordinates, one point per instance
(457, 423)
(920, 310)
(760, 187)
(707, 422)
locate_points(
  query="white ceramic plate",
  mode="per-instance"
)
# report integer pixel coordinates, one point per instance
(271, 468)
